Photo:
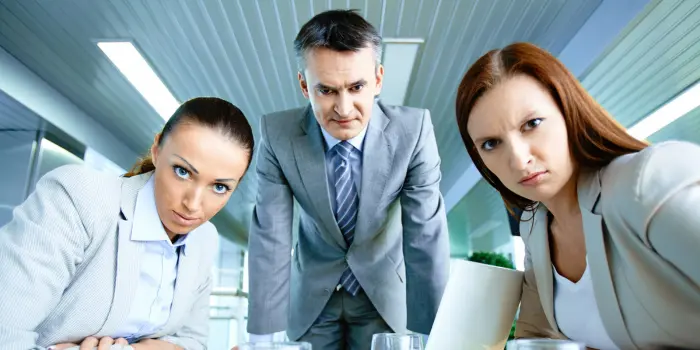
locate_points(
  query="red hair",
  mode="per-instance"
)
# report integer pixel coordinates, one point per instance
(595, 138)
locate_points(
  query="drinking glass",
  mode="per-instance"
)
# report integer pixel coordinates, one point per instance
(276, 346)
(544, 344)
(395, 341)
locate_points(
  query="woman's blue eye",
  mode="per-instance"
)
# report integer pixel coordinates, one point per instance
(533, 123)
(221, 189)
(181, 172)
(489, 145)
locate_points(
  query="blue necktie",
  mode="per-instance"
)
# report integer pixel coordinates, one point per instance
(346, 200)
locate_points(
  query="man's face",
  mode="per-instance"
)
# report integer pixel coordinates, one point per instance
(341, 87)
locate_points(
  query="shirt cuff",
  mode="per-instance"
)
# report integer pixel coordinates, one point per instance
(260, 338)
(267, 338)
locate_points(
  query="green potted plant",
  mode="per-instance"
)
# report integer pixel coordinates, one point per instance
(496, 259)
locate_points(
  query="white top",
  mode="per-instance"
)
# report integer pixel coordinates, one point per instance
(158, 257)
(576, 311)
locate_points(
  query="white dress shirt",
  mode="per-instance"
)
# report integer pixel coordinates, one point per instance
(158, 257)
(576, 311)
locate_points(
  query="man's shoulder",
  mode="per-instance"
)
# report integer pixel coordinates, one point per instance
(405, 121)
(286, 116)
(280, 123)
(406, 114)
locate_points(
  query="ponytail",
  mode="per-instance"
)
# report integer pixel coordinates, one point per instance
(143, 166)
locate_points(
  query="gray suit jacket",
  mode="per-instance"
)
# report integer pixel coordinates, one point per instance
(69, 269)
(400, 253)
(641, 218)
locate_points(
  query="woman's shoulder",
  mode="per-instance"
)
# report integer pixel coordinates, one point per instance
(207, 237)
(640, 182)
(73, 201)
(80, 178)
(87, 189)
(655, 169)
(208, 233)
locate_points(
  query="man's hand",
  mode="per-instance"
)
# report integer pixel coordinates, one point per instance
(90, 343)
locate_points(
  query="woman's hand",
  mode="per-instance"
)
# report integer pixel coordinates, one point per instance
(154, 344)
(90, 343)
(105, 343)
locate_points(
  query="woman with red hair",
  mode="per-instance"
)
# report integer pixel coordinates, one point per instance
(610, 224)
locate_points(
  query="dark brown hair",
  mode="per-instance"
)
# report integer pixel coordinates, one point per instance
(211, 112)
(595, 138)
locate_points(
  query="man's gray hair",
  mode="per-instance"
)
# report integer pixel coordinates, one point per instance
(338, 30)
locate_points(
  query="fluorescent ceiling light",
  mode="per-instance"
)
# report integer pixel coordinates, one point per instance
(398, 59)
(668, 113)
(135, 68)
(97, 161)
(47, 145)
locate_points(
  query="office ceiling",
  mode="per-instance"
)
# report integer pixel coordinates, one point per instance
(242, 51)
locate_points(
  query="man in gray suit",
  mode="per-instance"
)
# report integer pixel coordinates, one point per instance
(372, 254)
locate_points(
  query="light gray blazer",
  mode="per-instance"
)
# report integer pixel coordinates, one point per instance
(400, 253)
(641, 218)
(69, 269)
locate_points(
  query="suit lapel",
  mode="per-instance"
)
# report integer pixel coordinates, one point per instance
(589, 191)
(311, 162)
(127, 253)
(377, 159)
(542, 263)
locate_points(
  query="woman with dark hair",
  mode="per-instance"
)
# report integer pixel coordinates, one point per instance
(610, 224)
(106, 261)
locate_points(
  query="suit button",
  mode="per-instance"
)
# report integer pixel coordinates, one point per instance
(327, 290)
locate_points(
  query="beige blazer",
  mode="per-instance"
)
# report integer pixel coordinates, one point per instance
(641, 218)
(69, 270)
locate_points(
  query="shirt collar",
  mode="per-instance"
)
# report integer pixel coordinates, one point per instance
(358, 141)
(147, 224)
